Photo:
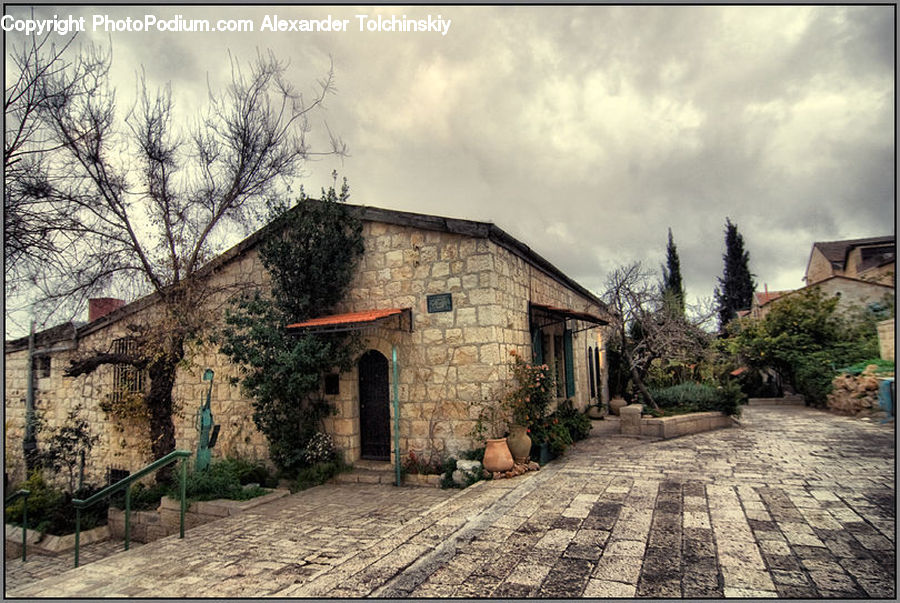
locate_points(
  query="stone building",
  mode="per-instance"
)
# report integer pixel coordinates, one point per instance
(859, 272)
(872, 259)
(441, 302)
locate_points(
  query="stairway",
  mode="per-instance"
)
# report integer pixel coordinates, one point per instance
(368, 472)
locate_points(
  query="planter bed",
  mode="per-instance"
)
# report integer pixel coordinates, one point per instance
(147, 526)
(425, 480)
(50, 544)
(670, 427)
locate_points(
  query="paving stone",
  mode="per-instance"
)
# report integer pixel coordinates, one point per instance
(618, 568)
(795, 503)
(607, 589)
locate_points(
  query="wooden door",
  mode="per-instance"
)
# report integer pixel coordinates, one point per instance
(374, 407)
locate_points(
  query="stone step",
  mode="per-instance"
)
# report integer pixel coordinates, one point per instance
(365, 476)
(787, 400)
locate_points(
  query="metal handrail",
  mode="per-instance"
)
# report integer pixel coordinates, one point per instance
(125, 484)
(10, 500)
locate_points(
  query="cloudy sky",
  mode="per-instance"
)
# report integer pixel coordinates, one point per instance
(586, 131)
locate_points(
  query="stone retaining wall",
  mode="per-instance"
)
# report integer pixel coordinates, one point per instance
(670, 427)
(49, 544)
(147, 526)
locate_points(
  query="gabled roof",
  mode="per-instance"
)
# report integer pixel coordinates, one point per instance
(470, 228)
(764, 297)
(836, 251)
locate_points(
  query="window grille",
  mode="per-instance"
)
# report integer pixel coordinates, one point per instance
(126, 378)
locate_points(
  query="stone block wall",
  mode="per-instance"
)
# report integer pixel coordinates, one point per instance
(449, 364)
(886, 338)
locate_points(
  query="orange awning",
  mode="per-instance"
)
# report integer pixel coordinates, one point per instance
(351, 320)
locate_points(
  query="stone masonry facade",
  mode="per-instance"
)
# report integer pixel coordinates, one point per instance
(449, 363)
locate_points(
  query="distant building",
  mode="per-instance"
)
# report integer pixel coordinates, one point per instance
(870, 259)
(860, 272)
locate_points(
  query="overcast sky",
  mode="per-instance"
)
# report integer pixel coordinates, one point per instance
(587, 131)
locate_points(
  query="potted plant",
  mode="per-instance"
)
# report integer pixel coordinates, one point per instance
(528, 397)
(493, 418)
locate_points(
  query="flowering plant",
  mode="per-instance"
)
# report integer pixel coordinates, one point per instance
(530, 391)
(319, 449)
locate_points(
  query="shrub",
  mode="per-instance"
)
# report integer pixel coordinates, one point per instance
(417, 464)
(699, 397)
(578, 423)
(319, 449)
(143, 497)
(222, 479)
(318, 474)
(50, 509)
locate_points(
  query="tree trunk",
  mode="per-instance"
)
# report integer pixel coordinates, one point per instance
(636, 377)
(159, 403)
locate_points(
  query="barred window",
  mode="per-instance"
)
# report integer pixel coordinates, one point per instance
(126, 378)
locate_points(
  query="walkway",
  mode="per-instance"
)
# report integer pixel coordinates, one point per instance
(795, 503)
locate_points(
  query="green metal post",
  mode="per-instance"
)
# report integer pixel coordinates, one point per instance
(77, 532)
(81, 472)
(127, 516)
(183, 489)
(396, 413)
(24, 526)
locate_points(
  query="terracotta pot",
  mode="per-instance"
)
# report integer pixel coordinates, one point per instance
(519, 443)
(616, 403)
(497, 456)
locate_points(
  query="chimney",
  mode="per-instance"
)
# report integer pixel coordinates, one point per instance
(101, 306)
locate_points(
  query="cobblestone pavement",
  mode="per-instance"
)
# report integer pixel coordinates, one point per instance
(794, 503)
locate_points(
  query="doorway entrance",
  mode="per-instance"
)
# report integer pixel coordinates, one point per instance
(374, 407)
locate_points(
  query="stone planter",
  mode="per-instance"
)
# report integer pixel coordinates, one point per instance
(50, 544)
(497, 456)
(417, 479)
(616, 404)
(147, 526)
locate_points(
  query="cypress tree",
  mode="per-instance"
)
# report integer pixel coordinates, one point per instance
(736, 286)
(672, 286)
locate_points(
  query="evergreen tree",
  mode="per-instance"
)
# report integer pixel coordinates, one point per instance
(736, 286)
(672, 286)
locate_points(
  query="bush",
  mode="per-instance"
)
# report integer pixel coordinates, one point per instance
(318, 474)
(221, 480)
(143, 497)
(578, 423)
(450, 466)
(699, 397)
(883, 367)
(50, 509)
(418, 464)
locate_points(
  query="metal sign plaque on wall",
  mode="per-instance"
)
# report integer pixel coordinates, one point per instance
(442, 302)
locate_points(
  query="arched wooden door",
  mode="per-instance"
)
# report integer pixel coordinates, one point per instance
(374, 407)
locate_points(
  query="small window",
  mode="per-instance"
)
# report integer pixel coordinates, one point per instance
(114, 475)
(126, 378)
(40, 366)
(332, 385)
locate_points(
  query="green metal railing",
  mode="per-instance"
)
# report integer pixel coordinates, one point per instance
(126, 485)
(10, 500)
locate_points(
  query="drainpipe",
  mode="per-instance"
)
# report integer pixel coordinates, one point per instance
(396, 413)
(29, 443)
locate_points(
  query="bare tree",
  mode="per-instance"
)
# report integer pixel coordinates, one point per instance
(146, 198)
(38, 231)
(647, 329)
